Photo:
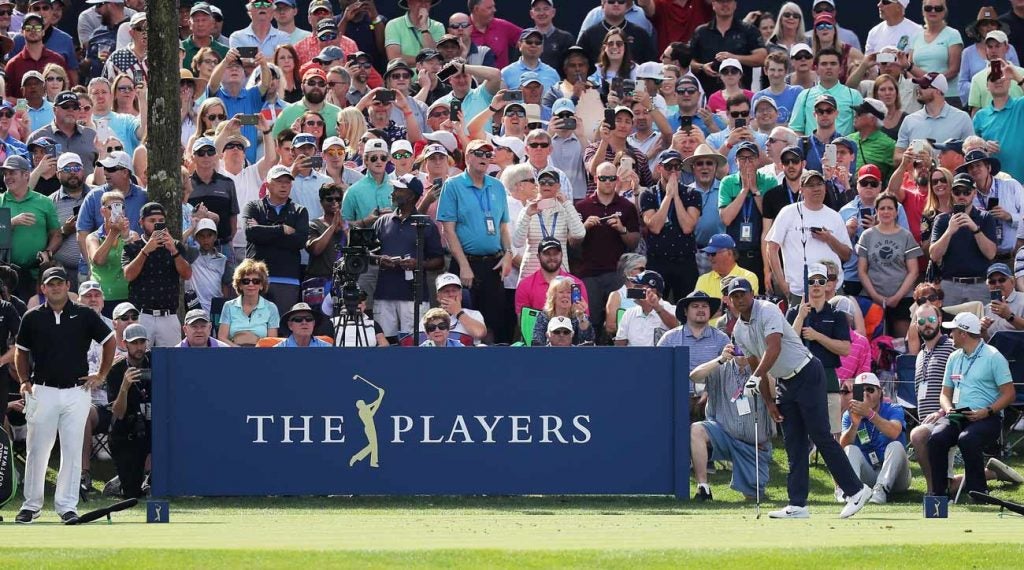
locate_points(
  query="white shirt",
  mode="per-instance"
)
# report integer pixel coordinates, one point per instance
(792, 227)
(247, 188)
(515, 207)
(639, 329)
(884, 35)
(1016, 303)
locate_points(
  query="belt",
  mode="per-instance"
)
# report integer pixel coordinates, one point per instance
(798, 370)
(490, 257)
(55, 385)
(748, 254)
(967, 280)
(159, 312)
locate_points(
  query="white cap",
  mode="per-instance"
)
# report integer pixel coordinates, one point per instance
(967, 322)
(445, 279)
(115, 159)
(375, 145)
(278, 171)
(432, 149)
(867, 379)
(559, 323)
(206, 224)
(399, 145)
(331, 142)
(515, 144)
(832, 2)
(817, 269)
(68, 158)
(533, 113)
(730, 62)
(998, 35)
(650, 70)
(797, 48)
(87, 286)
(443, 138)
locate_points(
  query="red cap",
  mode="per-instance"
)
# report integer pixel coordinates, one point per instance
(869, 171)
(825, 17)
(314, 72)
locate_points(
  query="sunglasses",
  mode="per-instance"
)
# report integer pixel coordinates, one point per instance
(729, 71)
(935, 9)
(440, 113)
(533, 43)
(616, 1)
(939, 181)
(819, 282)
(928, 298)
(125, 89)
(32, 28)
(301, 320)
(316, 83)
(129, 316)
(113, 168)
(962, 192)
(71, 169)
(931, 319)
(54, 79)
(141, 30)
(790, 161)
(401, 155)
(704, 163)
(431, 327)
(612, 178)
(869, 183)
(328, 36)
(845, 392)
(999, 281)
(824, 110)
(114, 148)
(515, 113)
(803, 55)
(548, 182)
(615, 43)
(673, 166)
(333, 199)
(562, 332)
(791, 15)
(824, 26)
(459, 26)
(261, 4)
(539, 145)
(688, 90)
(205, 152)
(376, 158)
(6, 12)
(739, 114)
(396, 76)
(251, 281)
(312, 123)
(7, 114)
(234, 146)
(482, 153)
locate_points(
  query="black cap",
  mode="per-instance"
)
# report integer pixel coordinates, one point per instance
(955, 145)
(152, 209)
(739, 284)
(651, 279)
(548, 243)
(54, 273)
(65, 97)
(428, 53)
(963, 180)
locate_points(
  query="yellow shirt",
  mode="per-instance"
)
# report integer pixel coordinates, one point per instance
(711, 282)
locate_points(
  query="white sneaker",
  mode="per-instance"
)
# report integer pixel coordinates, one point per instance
(1004, 472)
(1019, 426)
(840, 497)
(855, 503)
(878, 495)
(790, 512)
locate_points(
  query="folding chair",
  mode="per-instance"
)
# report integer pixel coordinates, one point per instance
(905, 394)
(526, 323)
(1011, 345)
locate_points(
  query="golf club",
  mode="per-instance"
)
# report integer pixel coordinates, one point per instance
(358, 377)
(757, 465)
(104, 512)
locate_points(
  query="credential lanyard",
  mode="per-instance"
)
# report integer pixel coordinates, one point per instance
(481, 197)
(554, 224)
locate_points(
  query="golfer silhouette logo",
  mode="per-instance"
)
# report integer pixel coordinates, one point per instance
(366, 413)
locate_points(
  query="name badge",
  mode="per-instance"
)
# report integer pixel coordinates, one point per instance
(746, 232)
(863, 436)
(408, 275)
(922, 392)
(742, 406)
(873, 457)
(490, 226)
(956, 378)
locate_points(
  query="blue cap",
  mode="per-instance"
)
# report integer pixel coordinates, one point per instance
(329, 54)
(747, 145)
(999, 268)
(529, 77)
(202, 142)
(669, 155)
(793, 150)
(302, 139)
(739, 284)
(529, 32)
(718, 242)
(955, 145)
(286, 2)
(561, 105)
(5, 104)
(847, 142)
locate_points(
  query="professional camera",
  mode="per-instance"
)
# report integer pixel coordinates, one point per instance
(355, 258)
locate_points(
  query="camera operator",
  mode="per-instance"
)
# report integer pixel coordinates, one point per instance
(128, 388)
(393, 306)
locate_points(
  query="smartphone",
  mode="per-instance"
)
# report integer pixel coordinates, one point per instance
(116, 211)
(829, 158)
(437, 182)
(858, 392)
(917, 146)
(962, 410)
(547, 203)
(513, 95)
(139, 77)
(636, 293)
(159, 226)
(617, 87)
(577, 295)
(903, 43)
(609, 118)
(22, 105)
(146, 374)
(569, 124)
(993, 202)
(736, 349)
(385, 96)
(626, 164)
(685, 123)
(455, 107)
(816, 229)
(740, 123)
(805, 145)
(53, 151)
(249, 120)
(59, 148)
(886, 57)
(247, 52)
(316, 162)
(446, 72)
(959, 208)
(866, 212)
(997, 70)
(75, 210)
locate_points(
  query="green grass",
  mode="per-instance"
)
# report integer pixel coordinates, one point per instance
(528, 532)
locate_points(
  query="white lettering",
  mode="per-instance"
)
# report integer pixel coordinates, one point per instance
(328, 428)
(578, 422)
(517, 427)
(548, 430)
(398, 421)
(426, 431)
(459, 427)
(489, 428)
(288, 429)
(259, 426)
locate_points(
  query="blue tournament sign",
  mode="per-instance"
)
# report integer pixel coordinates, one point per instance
(420, 421)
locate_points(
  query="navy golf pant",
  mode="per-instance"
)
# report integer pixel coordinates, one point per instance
(971, 437)
(804, 407)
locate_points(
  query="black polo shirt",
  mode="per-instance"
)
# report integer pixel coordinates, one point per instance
(641, 45)
(828, 322)
(59, 342)
(603, 245)
(708, 41)
(218, 195)
(556, 43)
(138, 398)
(963, 256)
(156, 286)
(672, 242)
(398, 239)
(778, 198)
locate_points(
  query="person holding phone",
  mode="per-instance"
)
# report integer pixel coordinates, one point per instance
(1003, 200)
(68, 202)
(964, 244)
(129, 389)
(859, 215)
(260, 33)
(1001, 313)
(874, 439)
(228, 84)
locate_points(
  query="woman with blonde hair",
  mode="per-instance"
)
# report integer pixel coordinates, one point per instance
(789, 29)
(56, 80)
(887, 90)
(826, 35)
(126, 95)
(351, 127)
(939, 201)
(105, 246)
(249, 316)
(210, 115)
(938, 47)
(559, 304)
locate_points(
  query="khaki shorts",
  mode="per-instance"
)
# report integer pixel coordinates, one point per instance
(835, 413)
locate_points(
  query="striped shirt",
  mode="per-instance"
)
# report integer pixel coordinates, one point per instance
(724, 383)
(859, 359)
(704, 348)
(928, 375)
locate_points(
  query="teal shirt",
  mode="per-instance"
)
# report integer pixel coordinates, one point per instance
(803, 122)
(934, 56)
(262, 318)
(980, 375)
(365, 196)
(1001, 125)
(468, 206)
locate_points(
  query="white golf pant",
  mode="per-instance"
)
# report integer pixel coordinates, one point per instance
(893, 474)
(163, 330)
(49, 412)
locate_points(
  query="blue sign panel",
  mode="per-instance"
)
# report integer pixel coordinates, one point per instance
(420, 421)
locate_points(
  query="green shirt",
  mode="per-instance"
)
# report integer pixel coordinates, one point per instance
(730, 187)
(27, 241)
(191, 49)
(877, 149)
(110, 275)
(802, 120)
(329, 112)
(980, 97)
(400, 32)
(363, 197)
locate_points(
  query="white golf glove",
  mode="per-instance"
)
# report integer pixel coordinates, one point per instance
(752, 387)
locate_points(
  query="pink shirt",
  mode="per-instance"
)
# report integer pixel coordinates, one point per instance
(501, 36)
(533, 291)
(859, 359)
(716, 103)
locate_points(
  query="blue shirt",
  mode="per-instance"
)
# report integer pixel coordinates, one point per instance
(469, 207)
(878, 440)
(247, 38)
(717, 141)
(39, 118)
(125, 128)
(1001, 125)
(262, 318)
(704, 348)
(248, 102)
(852, 210)
(674, 122)
(710, 222)
(475, 101)
(786, 101)
(290, 343)
(90, 219)
(449, 342)
(978, 375)
(635, 15)
(513, 72)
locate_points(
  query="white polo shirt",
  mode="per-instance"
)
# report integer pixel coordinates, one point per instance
(643, 330)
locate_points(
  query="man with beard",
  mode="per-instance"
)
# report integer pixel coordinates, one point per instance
(361, 21)
(936, 121)
(359, 70)
(67, 201)
(314, 91)
(129, 394)
(34, 57)
(130, 59)
(102, 39)
(260, 33)
(227, 82)
(55, 39)
(65, 130)
(532, 291)
(396, 231)
(704, 342)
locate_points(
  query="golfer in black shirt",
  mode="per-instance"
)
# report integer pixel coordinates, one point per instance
(57, 389)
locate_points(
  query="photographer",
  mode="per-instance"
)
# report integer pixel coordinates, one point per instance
(128, 388)
(393, 303)
(874, 438)
(36, 231)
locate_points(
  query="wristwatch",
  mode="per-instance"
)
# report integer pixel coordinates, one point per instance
(1010, 318)
(991, 412)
